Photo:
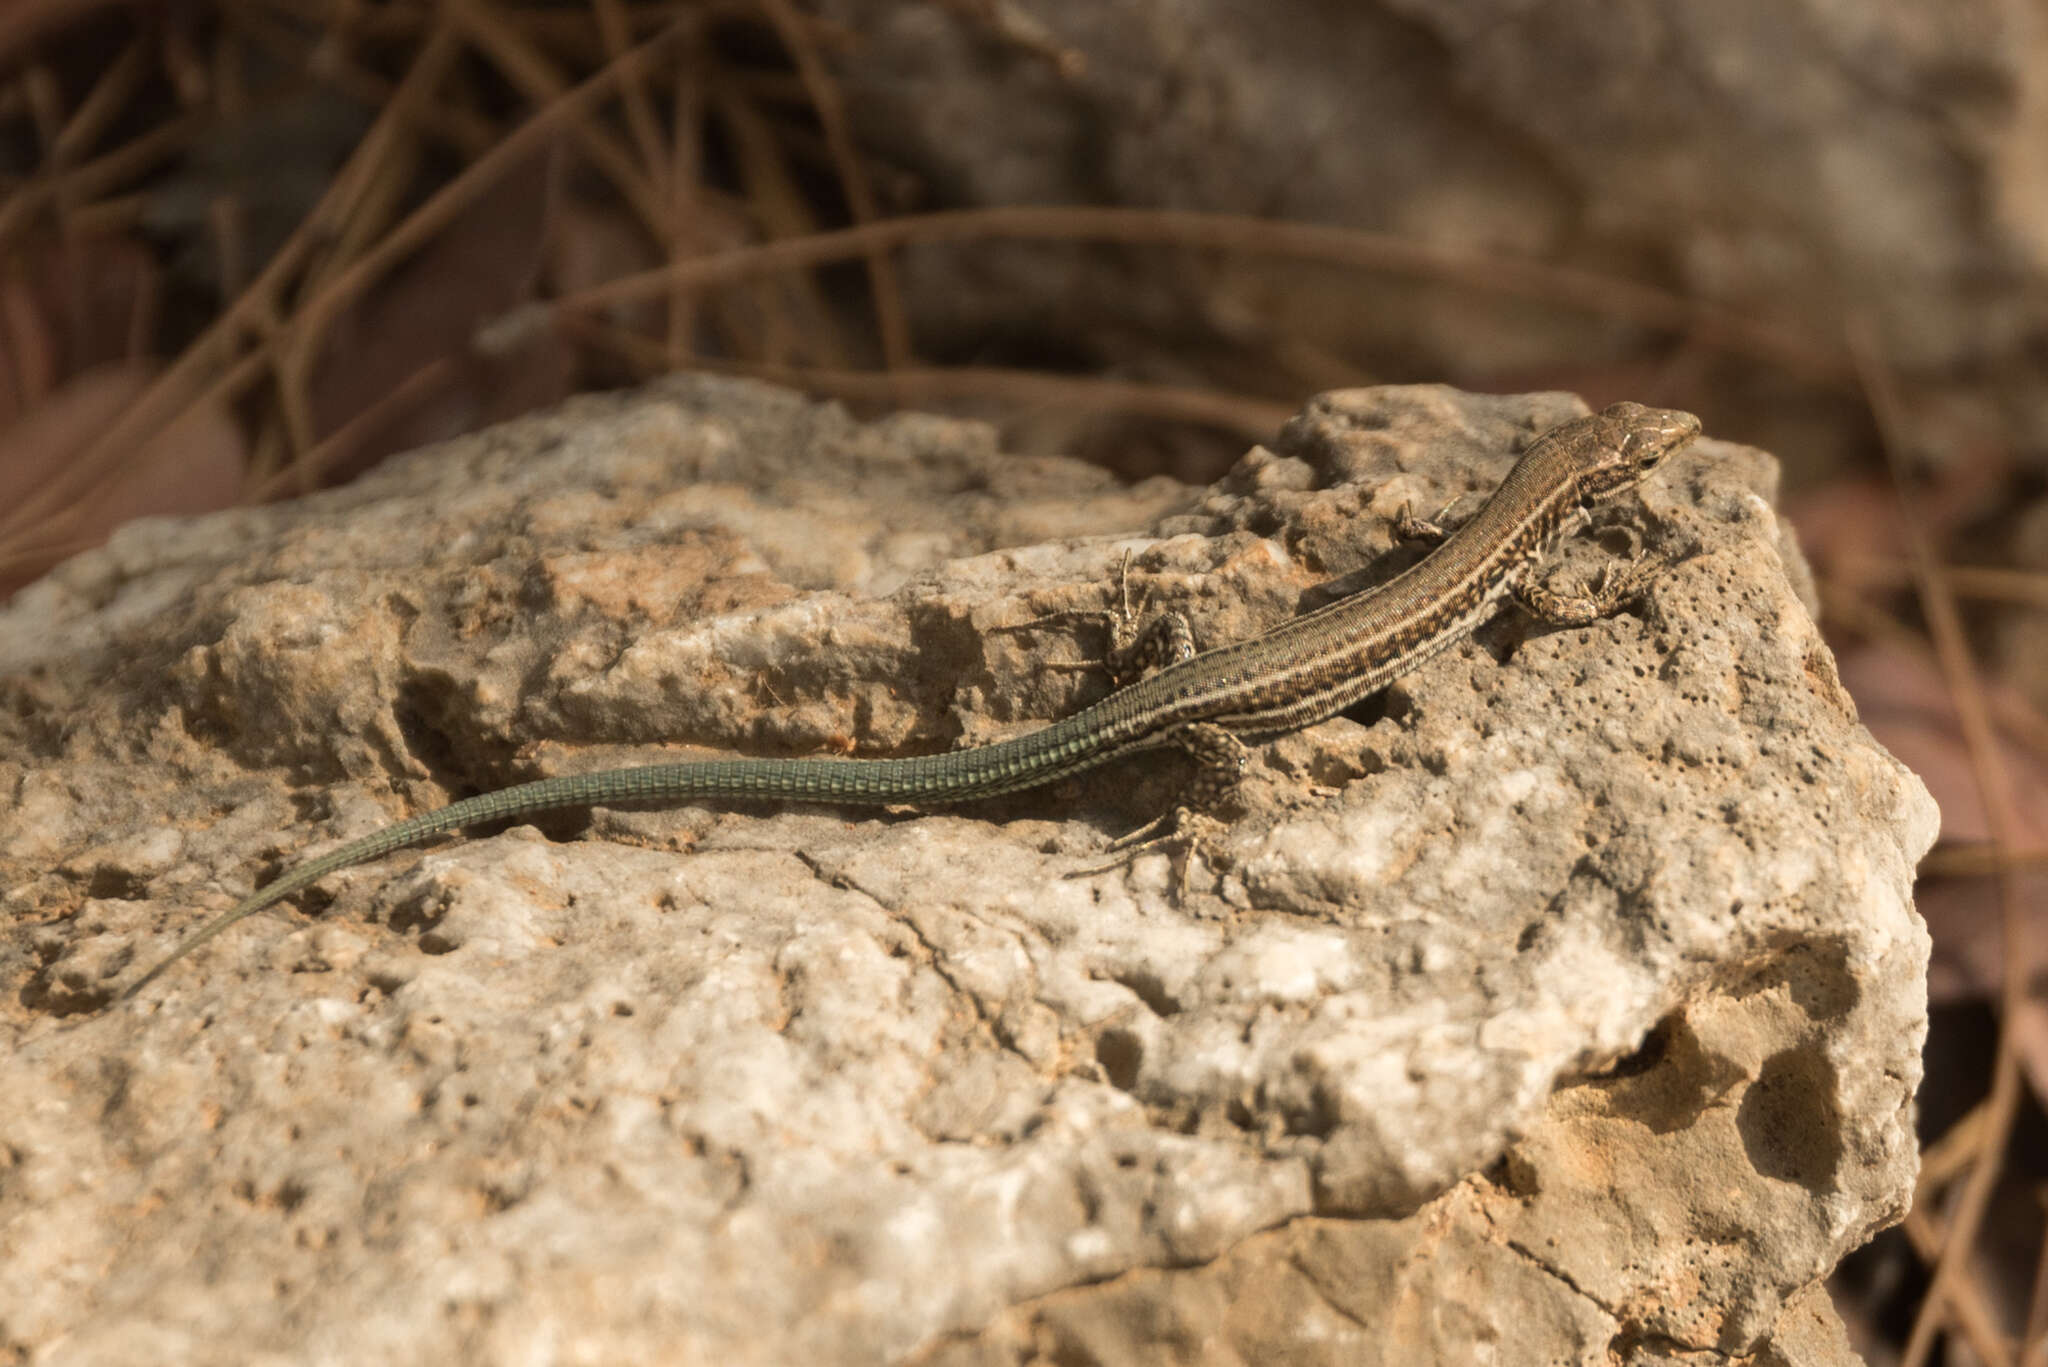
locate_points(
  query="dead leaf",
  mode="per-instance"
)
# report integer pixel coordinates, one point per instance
(192, 465)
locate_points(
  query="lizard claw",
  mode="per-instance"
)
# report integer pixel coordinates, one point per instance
(1193, 835)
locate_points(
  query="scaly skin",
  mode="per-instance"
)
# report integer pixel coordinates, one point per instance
(1209, 704)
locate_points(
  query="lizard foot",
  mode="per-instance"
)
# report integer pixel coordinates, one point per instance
(1189, 834)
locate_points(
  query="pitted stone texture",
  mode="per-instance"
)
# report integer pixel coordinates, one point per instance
(1568, 997)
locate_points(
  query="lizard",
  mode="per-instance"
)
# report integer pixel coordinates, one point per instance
(1210, 703)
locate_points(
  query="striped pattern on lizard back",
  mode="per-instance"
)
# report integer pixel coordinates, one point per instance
(1301, 672)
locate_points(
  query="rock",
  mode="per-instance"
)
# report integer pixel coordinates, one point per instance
(1563, 1004)
(1798, 162)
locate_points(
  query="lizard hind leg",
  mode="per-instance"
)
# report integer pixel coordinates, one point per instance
(1139, 646)
(1139, 652)
(1192, 827)
(1430, 531)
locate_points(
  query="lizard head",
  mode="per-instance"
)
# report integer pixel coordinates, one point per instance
(1626, 442)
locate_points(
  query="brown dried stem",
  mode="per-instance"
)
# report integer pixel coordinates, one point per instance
(1945, 1292)
(1587, 291)
(892, 322)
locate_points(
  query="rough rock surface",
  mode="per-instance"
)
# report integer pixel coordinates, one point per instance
(1562, 1005)
(1804, 160)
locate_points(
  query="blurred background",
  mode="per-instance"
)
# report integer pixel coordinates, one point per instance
(248, 248)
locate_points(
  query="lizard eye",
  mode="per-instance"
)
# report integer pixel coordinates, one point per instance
(1656, 435)
(1648, 435)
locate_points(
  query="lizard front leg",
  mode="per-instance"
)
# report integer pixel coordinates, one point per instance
(1608, 591)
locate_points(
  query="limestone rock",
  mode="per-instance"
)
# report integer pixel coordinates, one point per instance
(1561, 1005)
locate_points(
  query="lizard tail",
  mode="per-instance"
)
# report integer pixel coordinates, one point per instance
(938, 778)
